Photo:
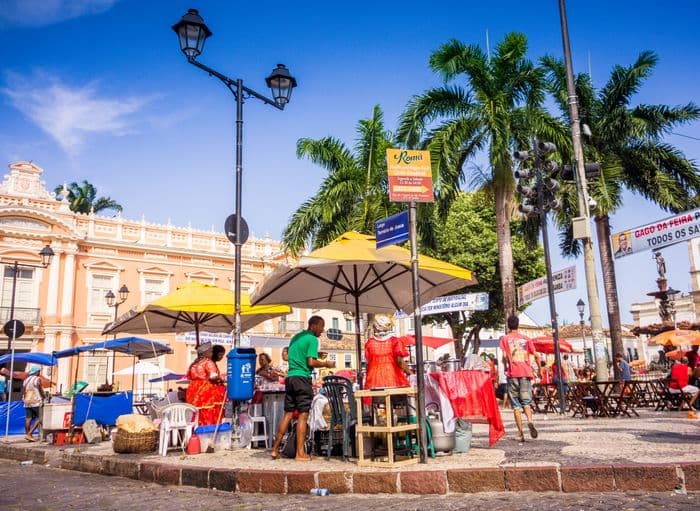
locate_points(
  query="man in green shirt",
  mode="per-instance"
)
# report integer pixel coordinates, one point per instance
(303, 357)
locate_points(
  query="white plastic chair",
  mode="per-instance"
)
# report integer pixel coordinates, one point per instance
(176, 427)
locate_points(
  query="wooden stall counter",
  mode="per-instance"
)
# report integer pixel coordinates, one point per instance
(389, 428)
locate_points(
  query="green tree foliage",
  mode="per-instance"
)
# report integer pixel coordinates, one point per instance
(352, 196)
(468, 239)
(497, 110)
(83, 198)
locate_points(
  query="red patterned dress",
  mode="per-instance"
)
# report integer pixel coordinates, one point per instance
(202, 393)
(382, 368)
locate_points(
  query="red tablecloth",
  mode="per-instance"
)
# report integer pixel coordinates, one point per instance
(473, 398)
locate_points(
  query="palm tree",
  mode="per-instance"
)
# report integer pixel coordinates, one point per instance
(354, 193)
(628, 142)
(498, 112)
(83, 198)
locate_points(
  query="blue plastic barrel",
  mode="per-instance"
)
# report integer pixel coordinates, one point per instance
(241, 374)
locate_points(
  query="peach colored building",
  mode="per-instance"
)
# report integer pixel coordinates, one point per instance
(64, 305)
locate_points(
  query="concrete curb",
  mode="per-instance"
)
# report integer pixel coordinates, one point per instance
(579, 478)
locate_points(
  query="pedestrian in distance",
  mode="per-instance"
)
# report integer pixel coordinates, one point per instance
(33, 397)
(623, 367)
(517, 350)
(298, 387)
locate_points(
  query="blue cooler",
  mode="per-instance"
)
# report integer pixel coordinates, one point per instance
(241, 374)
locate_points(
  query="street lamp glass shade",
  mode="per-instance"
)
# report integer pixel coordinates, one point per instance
(192, 33)
(46, 254)
(281, 83)
(580, 306)
(123, 293)
(110, 298)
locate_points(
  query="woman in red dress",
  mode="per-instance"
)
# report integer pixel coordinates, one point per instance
(206, 390)
(385, 354)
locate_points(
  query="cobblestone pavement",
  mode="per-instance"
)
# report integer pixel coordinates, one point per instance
(55, 490)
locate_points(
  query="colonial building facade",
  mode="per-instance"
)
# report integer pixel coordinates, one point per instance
(64, 304)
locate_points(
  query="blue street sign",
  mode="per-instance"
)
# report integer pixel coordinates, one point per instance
(391, 230)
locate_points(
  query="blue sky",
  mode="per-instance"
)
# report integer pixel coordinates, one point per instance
(99, 90)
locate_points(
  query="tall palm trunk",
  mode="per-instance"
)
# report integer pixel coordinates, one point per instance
(503, 198)
(610, 284)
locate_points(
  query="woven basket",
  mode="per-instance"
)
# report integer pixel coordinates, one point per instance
(125, 442)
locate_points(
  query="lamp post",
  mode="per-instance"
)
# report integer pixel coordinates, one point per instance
(581, 306)
(112, 301)
(15, 328)
(192, 32)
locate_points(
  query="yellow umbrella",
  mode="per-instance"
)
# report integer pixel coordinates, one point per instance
(351, 274)
(195, 306)
(677, 337)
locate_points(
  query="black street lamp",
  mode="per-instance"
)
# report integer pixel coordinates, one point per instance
(581, 306)
(14, 325)
(112, 301)
(192, 33)
(14, 328)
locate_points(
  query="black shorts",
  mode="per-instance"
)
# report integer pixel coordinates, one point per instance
(32, 413)
(298, 394)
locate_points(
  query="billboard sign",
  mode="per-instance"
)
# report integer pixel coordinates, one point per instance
(452, 303)
(657, 235)
(562, 280)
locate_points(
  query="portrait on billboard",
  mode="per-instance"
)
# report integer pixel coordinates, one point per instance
(621, 244)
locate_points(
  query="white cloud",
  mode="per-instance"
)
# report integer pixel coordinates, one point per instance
(39, 13)
(71, 115)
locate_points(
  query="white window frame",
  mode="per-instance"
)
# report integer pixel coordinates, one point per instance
(347, 361)
(101, 307)
(27, 291)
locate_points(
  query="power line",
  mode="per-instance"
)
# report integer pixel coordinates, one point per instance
(686, 136)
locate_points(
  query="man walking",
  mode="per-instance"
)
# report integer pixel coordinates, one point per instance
(517, 349)
(33, 397)
(303, 357)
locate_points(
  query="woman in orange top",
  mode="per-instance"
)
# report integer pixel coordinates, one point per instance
(206, 390)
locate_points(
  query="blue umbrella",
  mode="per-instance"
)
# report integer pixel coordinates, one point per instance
(167, 377)
(44, 359)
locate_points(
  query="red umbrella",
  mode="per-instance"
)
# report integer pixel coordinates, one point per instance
(545, 344)
(428, 340)
(350, 374)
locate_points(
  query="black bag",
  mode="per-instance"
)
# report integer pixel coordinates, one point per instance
(288, 449)
(289, 443)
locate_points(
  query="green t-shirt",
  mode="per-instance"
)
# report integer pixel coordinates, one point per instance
(303, 345)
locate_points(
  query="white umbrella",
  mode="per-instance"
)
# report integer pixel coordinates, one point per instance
(144, 368)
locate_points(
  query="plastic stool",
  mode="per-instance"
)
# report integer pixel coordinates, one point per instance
(259, 436)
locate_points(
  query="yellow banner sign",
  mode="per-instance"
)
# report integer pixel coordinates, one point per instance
(410, 175)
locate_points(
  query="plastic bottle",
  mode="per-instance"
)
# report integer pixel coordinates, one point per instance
(321, 492)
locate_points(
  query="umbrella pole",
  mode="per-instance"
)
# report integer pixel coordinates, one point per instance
(11, 382)
(196, 334)
(358, 344)
(133, 377)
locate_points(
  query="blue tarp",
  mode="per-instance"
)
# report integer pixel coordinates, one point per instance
(136, 346)
(103, 409)
(17, 417)
(45, 359)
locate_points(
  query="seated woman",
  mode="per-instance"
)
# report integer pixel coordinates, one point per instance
(266, 370)
(206, 390)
